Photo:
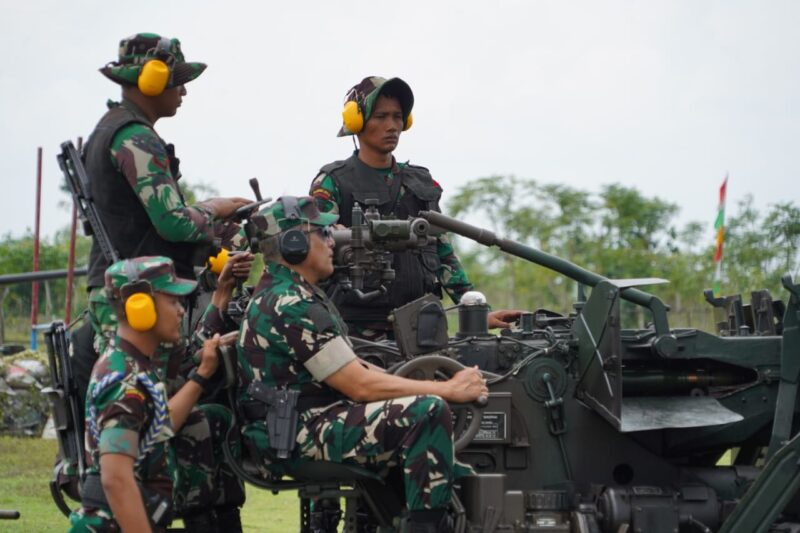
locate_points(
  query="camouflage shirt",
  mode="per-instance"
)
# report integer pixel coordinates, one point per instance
(292, 336)
(147, 162)
(451, 274)
(124, 412)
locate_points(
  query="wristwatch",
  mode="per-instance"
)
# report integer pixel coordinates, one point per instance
(205, 383)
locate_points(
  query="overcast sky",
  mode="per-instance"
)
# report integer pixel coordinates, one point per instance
(663, 96)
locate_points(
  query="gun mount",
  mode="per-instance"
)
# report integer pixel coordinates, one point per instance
(365, 249)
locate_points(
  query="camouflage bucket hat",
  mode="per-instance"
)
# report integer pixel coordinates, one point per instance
(136, 50)
(291, 211)
(367, 91)
(158, 271)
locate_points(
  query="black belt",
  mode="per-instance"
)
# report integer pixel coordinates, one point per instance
(255, 410)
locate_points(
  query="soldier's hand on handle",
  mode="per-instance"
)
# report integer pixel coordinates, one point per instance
(225, 207)
(466, 385)
(237, 266)
(502, 318)
(209, 359)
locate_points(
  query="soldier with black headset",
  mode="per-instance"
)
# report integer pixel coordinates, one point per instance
(348, 411)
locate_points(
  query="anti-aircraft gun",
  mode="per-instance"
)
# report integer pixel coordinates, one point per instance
(591, 427)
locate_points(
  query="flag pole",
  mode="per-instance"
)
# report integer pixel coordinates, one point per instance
(719, 226)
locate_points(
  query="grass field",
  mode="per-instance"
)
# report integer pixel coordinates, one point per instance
(26, 467)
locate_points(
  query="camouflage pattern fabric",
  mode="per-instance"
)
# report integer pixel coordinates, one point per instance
(124, 412)
(158, 271)
(202, 479)
(288, 322)
(451, 274)
(145, 160)
(136, 50)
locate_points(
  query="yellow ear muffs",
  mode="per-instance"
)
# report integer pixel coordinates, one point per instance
(409, 122)
(153, 78)
(352, 117)
(217, 262)
(140, 311)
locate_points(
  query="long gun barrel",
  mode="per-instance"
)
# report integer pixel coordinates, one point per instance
(562, 266)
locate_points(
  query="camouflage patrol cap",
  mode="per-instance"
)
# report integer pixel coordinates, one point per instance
(366, 92)
(157, 270)
(136, 50)
(281, 216)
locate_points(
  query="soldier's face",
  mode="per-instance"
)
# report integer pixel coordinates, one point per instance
(381, 132)
(167, 103)
(170, 313)
(320, 256)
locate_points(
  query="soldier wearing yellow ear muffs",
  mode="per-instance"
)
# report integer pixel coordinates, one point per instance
(133, 172)
(129, 419)
(376, 111)
(133, 175)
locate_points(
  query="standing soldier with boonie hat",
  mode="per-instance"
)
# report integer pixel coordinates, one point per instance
(133, 172)
(129, 419)
(133, 176)
(376, 111)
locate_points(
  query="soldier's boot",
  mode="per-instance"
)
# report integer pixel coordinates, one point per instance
(201, 522)
(429, 521)
(228, 519)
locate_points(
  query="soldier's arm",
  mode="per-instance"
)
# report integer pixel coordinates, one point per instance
(182, 401)
(121, 417)
(326, 193)
(139, 154)
(119, 484)
(364, 385)
(451, 274)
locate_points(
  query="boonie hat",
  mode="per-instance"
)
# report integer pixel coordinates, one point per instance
(136, 50)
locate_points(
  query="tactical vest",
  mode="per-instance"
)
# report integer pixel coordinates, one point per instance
(120, 210)
(415, 270)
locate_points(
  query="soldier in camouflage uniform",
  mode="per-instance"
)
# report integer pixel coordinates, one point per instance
(129, 420)
(403, 190)
(134, 174)
(134, 182)
(350, 412)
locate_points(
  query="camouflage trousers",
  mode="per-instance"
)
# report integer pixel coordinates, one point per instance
(203, 478)
(414, 433)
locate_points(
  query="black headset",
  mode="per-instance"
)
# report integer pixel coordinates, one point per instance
(293, 244)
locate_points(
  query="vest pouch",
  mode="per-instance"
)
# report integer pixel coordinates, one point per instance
(431, 265)
(382, 195)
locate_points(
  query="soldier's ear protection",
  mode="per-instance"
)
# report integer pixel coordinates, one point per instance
(137, 300)
(293, 244)
(156, 72)
(353, 113)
